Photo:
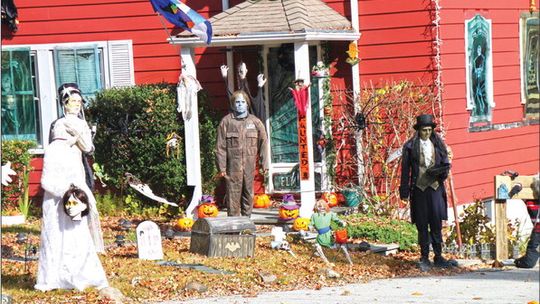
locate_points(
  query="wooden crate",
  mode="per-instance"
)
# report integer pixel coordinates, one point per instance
(223, 237)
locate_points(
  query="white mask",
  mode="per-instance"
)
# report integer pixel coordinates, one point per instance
(240, 107)
(74, 208)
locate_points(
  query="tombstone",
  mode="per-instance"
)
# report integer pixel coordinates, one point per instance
(149, 241)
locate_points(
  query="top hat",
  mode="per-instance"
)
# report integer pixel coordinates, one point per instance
(65, 91)
(424, 120)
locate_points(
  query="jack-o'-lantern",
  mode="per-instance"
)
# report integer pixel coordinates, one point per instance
(261, 201)
(330, 198)
(184, 224)
(208, 209)
(301, 223)
(289, 209)
(287, 214)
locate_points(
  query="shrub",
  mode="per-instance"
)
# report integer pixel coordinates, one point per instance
(15, 195)
(475, 226)
(382, 229)
(132, 128)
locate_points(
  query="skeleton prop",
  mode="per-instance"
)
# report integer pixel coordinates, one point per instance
(321, 220)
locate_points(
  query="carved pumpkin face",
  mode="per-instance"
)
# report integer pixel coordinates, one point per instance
(261, 201)
(301, 223)
(184, 224)
(330, 198)
(207, 210)
(287, 213)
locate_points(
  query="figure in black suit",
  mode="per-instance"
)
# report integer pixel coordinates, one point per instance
(424, 168)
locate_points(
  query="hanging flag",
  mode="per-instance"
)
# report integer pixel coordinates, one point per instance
(183, 16)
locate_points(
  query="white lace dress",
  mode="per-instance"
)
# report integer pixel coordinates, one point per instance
(68, 252)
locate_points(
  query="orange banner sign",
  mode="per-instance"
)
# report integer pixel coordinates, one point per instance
(303, 148)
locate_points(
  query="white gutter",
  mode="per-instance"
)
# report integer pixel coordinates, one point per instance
(267, 38)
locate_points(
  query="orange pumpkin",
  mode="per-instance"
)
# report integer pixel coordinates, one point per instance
(341, 236)
(261, 201)
(208, 209)
(330, 198)
(301, 223)
(184, 224)
(288, 212)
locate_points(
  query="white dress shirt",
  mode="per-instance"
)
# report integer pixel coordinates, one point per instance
(427, 150)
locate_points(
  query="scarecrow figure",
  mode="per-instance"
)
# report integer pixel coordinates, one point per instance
(241, 139)
(321, 220)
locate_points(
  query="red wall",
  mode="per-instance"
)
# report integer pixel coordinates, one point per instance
(396, 40)
(479, 156)
(396, 43)
(57, 21)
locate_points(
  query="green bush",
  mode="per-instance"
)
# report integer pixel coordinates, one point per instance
(15, 195)
(132, 128)
(383, 230)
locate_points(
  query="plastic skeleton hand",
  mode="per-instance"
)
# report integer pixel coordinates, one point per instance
(261, 80)
(224, 71)
(242, 70)
(6, 172)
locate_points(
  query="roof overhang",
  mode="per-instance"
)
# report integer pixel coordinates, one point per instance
(262, 38)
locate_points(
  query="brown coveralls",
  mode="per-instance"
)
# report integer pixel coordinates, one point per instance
(239, 141)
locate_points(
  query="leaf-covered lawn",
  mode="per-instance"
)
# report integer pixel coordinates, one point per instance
(142, 280)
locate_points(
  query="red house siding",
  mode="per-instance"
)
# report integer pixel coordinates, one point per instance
(58, 21)
(396, 41)
(481, 155)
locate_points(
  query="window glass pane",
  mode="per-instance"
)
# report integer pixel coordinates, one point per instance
(19, 109)
(81, 66)
(283, 118)
(531, 70)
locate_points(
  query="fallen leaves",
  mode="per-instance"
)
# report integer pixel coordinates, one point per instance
(146, 281)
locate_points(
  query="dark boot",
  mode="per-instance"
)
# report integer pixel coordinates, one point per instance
(439, 261)
(424, 264)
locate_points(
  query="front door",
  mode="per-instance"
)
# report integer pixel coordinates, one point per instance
(282, 123)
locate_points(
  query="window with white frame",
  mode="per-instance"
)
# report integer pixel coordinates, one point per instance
(32, 73)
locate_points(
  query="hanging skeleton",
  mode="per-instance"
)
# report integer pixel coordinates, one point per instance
(172, 145)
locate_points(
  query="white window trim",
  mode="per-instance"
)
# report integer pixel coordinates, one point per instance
(46, 79)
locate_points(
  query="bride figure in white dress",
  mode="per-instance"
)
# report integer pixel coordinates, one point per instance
(70, 232)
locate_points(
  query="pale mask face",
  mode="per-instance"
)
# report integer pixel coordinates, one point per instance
(73, 104)
(240, 106)
(74, 208)
(425, 132)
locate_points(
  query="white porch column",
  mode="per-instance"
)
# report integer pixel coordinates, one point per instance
(355, 21)
(307, 187)
(191, 136)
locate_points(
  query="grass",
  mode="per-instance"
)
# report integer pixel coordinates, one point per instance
(143, 281)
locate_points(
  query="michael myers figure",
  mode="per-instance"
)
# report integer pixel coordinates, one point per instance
(241, 138)
(424, 168)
